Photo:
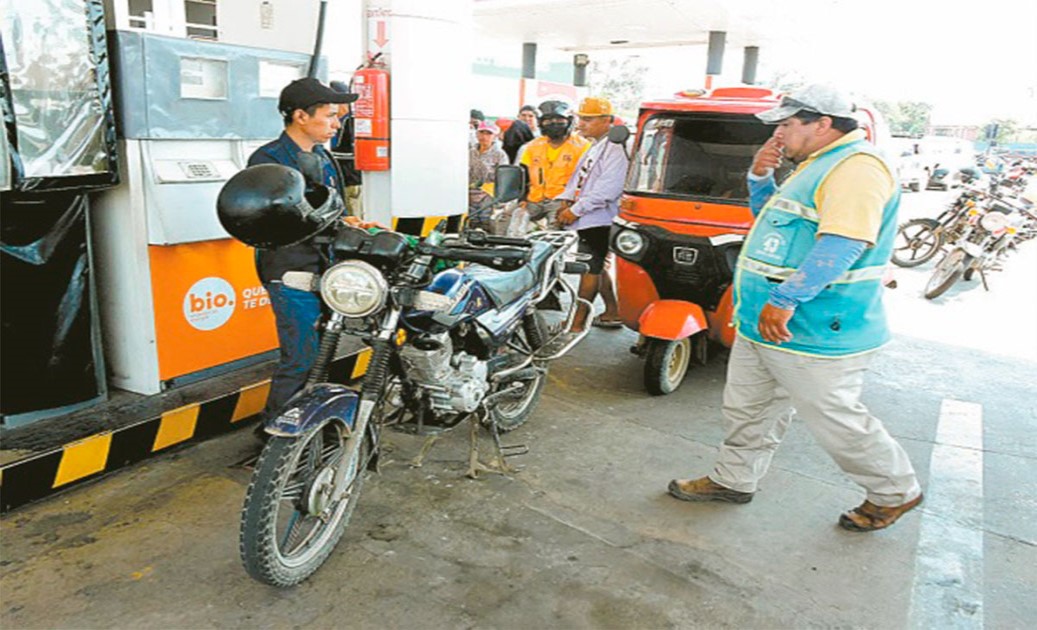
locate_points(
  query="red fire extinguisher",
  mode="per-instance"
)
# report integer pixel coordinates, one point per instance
(371, 119)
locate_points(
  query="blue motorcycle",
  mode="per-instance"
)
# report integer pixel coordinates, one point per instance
(449, 342)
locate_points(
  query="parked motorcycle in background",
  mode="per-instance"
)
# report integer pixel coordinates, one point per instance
(990, 231)
(448, 344)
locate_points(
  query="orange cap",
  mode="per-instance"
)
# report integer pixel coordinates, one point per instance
(594, 106)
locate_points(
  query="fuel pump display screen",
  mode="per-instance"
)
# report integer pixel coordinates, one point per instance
(52, 60)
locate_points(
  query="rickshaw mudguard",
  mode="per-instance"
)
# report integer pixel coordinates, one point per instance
(312, 406)
(672, 320)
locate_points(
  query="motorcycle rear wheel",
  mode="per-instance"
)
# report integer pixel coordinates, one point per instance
(666, 365)
(917, 241)
(947, 272)
(512, 412)
(289, 524)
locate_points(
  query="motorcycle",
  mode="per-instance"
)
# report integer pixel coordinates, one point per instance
(919, 240)
(989, 234)
(448, 344)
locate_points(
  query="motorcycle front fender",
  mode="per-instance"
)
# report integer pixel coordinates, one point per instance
(672, 320)
(311, 407)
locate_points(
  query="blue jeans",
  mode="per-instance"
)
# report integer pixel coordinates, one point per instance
(297, 313)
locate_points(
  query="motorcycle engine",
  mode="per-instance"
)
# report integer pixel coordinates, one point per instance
(455, 382)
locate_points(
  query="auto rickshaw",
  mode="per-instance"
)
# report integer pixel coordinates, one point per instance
(682, 220)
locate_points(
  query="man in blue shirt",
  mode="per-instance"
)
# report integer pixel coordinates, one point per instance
(310, 111)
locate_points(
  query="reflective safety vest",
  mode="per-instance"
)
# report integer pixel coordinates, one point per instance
(547, 179)
(846, 317)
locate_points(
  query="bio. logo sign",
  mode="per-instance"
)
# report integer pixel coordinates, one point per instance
(209, 303)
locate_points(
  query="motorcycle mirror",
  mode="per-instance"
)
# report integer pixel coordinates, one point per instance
(619, 134)
(509, 183)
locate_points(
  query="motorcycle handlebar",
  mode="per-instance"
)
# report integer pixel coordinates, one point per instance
(478, 237)
(500, 258)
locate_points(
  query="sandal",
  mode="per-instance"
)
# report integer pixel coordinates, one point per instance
(598, 322)
(868, 517)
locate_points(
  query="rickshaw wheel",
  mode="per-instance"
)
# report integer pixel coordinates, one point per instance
(666, 364)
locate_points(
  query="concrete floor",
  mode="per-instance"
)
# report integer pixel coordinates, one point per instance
(583, 537)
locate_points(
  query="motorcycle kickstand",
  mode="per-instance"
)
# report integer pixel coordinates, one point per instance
(504, 452)
(419, 459)
(475, 466)
(983, 279)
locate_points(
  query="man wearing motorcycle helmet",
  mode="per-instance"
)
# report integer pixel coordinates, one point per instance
(550, 161)
(310, 112)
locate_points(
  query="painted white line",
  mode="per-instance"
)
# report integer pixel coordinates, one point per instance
(948, 586)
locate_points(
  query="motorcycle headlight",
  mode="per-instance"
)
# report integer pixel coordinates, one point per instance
(993, 222)
(354, 288)
(630, 242)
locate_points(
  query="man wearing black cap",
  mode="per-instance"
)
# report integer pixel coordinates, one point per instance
(310, 111)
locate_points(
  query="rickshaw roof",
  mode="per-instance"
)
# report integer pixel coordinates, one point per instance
(730, 100)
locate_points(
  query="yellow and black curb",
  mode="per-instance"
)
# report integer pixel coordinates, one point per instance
(421, 226)
(42, 474)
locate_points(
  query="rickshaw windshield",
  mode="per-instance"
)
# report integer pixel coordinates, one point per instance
(697, 155)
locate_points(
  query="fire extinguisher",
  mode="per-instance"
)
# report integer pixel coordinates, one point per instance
(371, 119)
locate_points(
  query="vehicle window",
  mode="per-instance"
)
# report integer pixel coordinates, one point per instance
(697, 156)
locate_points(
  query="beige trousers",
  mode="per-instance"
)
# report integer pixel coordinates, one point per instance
(765, 387)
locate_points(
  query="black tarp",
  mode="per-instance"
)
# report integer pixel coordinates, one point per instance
(49, 358)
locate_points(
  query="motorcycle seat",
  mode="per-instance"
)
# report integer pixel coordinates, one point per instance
(504, 287)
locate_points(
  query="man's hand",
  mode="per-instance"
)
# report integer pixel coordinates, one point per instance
(773, 324)
(565, 216)
(767, 158)
(357, 222)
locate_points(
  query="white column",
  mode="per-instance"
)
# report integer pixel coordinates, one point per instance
(428, 45)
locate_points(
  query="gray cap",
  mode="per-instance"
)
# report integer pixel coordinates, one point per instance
(820, 99)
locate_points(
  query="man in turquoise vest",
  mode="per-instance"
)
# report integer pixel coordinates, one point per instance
(808, 311)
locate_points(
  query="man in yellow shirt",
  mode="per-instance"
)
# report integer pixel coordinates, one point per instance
(550, 161)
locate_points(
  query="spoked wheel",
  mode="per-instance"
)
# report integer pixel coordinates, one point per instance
(947, 273)
(512, 410)
(917, 241)
(667, 363)
(291, 522)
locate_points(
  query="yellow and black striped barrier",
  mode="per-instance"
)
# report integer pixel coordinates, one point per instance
(42, 474)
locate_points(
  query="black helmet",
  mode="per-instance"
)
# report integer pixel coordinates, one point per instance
(268, 206)
(555, 129)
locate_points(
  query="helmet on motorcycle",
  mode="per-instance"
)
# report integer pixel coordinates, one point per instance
(269, 206)
(555, 119)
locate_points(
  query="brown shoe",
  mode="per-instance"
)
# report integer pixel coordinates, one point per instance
(868, 517)
(705, 489)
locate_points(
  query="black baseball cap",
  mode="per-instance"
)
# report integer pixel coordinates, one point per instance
(303, 93)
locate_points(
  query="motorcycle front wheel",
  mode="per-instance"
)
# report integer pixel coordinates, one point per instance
(917, 241)
(947, 272)
(290, 522)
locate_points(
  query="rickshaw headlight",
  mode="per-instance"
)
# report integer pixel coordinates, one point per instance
(630, 243)
(354, 288)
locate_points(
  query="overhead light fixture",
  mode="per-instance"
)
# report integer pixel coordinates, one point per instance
(620, 41)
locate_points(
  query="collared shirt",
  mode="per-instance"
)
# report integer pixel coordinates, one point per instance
(597, 184)
(272, 263)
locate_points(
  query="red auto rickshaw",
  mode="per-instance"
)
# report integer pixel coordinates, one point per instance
(682, 220)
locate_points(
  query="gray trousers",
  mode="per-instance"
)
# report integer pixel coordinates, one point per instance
(765, 387)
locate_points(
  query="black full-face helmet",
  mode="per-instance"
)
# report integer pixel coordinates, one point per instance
(555, 119)
(269, 206)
